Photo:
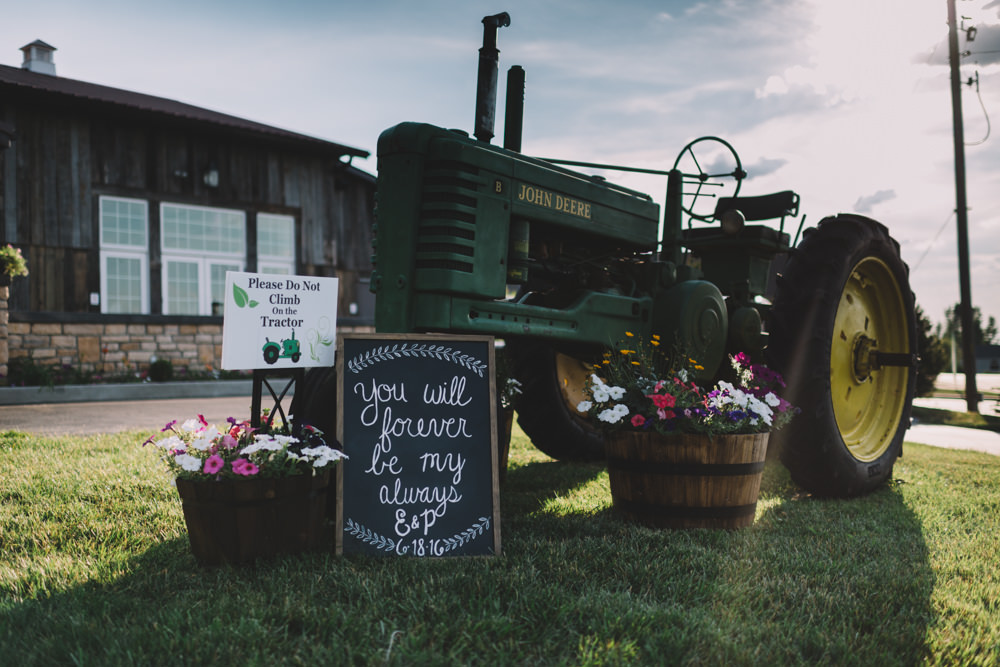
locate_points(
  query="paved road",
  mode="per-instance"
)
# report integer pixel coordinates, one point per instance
(116, 416)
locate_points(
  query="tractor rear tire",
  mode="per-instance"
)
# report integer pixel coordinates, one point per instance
(843, 296)
(315, 401)
(551, 387)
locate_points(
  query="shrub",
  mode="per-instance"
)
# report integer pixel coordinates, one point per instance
(161, 370)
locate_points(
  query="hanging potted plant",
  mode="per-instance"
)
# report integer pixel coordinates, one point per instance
(681, 455)
(12, 264)
(249, 492)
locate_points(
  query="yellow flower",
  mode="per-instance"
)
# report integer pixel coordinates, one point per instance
(656, 337)
(629, 334)
(627, 352)
(654, 343)
(636, 363)
(605, 362)
(699, 367)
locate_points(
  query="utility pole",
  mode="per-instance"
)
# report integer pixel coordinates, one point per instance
(962, 213)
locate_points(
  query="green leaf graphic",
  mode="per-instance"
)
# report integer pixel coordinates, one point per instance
(253, 304)
(240, 296)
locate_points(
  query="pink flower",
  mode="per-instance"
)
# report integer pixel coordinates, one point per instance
(638, 420)
(662, 400)
(245, 467)
(213, 464)
(665, 414)
(228, 441)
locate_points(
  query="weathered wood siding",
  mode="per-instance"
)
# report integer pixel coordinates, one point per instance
(62, 161)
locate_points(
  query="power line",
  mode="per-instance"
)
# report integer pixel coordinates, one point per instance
(934, 240)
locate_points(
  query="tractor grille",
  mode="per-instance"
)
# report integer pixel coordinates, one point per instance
(446, 238)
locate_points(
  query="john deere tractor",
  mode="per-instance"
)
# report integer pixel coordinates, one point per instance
(476, 238)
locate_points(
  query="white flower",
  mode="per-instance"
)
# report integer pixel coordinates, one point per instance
(616, 393)
(583, 406)
(759, 407)
(191, 426)
(613, 415)
(171, 443)
(323, 455)
(740, 398)
(771, 399)
(205, 439)
(270, 443)
(188, 462)
(601, 394)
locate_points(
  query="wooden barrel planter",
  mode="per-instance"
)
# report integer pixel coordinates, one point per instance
(686, 480)
(238, 521)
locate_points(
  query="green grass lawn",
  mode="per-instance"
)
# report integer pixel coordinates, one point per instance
(95, 570)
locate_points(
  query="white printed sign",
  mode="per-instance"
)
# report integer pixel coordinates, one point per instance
(278, 321)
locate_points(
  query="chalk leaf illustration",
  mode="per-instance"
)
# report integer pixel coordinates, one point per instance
(368, 536)
(422, 350)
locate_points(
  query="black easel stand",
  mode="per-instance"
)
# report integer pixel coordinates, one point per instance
(261, 379)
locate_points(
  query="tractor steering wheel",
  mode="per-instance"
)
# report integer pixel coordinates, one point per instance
(722, 161)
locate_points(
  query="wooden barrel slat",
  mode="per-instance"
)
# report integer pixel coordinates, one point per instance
(238, 521)
(686, 480)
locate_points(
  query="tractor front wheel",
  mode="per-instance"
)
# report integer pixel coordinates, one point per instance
(843, 333)
(552, 385)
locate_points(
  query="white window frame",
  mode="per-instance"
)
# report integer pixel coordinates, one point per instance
(275, 264)
(202, 258)
(123, 251)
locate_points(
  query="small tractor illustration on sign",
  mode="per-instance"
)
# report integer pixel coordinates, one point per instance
(288, 349)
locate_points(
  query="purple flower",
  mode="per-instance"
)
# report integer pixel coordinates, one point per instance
(168, 427)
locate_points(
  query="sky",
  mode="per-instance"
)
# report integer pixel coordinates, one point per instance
(848, 102)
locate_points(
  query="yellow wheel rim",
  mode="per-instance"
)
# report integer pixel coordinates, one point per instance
(572, 374)
(868, 401)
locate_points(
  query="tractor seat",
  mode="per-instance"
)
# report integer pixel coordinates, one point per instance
(764, 207)
(751, 237)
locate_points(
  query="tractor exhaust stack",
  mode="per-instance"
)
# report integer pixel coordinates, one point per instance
(486, 86)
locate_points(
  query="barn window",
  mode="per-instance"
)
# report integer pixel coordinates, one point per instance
(199, 245)
(275, 243)
(124, 255)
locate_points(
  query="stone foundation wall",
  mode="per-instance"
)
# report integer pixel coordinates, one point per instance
(115, 349)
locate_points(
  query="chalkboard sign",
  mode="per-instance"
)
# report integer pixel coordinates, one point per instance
(417, 420)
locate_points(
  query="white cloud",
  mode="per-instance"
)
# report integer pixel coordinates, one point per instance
(867, 203)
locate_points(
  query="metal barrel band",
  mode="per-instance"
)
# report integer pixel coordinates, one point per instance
(690, 469)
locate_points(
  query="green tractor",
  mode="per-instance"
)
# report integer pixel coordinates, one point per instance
(287, 349)
(460, 221)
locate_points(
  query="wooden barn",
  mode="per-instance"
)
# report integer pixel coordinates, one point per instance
(130, 209)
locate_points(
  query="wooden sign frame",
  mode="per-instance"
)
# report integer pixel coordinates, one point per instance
(416, 414)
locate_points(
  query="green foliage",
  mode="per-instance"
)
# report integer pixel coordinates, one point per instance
(12, 262)
(982, 334)
(933, 355)
(26, 372)
(161, 370)
(95, 569)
